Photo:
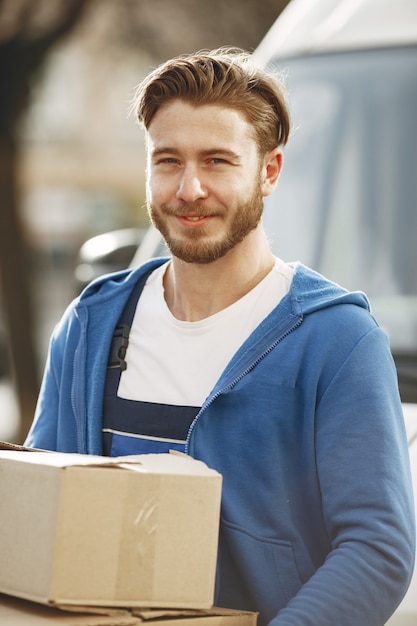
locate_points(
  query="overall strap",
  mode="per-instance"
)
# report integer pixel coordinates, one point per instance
(120, 339)
(136, 426)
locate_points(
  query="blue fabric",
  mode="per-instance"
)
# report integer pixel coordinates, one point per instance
(123, 445)
(305, 425)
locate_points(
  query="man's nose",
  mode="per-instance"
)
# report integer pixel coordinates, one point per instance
(190, 186)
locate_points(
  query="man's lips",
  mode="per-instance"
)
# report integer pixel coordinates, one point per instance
(194, 220)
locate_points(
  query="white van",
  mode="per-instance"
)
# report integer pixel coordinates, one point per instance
(346, 201)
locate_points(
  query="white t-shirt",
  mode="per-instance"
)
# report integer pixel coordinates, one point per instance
(194, 354)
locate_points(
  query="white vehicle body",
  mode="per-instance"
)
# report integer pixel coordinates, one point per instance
(344, 35)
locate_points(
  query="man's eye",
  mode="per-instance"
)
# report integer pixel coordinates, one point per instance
(161, 160)
(216, 160)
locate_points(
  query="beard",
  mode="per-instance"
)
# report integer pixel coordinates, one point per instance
(195, 245)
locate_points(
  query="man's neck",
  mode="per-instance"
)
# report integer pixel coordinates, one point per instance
(196, 291)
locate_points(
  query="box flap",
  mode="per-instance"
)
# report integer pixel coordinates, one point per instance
(5, 445)
(54, 459)
(93, 610)
(18, 612)
(170, 463)
(162, 614)
(173, 464)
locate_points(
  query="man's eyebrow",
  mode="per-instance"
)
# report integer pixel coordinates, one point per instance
(210, 152)
(163, 150)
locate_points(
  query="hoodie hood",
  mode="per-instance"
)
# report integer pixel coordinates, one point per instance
(310, 291)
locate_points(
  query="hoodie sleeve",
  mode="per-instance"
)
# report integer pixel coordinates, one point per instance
(54, 426)
(364, 474)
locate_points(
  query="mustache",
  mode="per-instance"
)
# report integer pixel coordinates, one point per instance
(191, 209)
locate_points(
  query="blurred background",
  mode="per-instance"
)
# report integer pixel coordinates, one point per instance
(71, 159)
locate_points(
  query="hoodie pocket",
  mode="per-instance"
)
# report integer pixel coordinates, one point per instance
(259, 567)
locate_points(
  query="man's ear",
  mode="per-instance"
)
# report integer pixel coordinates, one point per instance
(271, 170)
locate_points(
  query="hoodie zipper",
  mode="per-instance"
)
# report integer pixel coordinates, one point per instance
(77, 404)
(239, 378)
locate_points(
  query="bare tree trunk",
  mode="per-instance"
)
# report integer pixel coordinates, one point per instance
(23, 50)
(16, 297)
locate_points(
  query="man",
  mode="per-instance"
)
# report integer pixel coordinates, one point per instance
(268, 372)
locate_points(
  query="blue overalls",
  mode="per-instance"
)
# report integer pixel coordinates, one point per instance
(130, 426)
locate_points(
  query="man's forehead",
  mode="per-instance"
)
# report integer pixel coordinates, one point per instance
(205, 127)
(183, 112)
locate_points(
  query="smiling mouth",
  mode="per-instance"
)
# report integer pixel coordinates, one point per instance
(194, 222)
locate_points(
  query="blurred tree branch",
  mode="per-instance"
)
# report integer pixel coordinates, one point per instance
(28, 30)
(163, 28)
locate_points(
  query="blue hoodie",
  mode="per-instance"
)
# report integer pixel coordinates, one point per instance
(304, 424)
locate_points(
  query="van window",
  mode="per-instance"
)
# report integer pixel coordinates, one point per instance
(346, 202)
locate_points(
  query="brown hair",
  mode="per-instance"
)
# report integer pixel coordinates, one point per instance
(226, 77)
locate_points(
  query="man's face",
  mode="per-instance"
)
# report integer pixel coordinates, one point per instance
(204, 179)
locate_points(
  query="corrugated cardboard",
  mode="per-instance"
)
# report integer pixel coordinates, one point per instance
(6, 445)
(212, 617)
(125, 531)
(17, 612)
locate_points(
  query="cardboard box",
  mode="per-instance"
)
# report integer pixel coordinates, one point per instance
(125, 531)
(17, 612)
(6, 445)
